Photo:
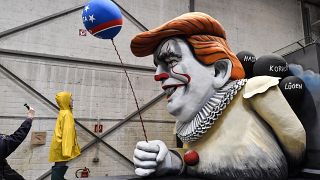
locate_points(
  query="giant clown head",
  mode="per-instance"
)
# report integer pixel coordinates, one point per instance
(193, 61)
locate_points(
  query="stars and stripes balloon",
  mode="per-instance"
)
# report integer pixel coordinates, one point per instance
(102, 18)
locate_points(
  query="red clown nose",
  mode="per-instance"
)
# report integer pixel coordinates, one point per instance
(191, 158)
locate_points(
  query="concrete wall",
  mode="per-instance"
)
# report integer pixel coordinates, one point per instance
(103, 91)
(258, 26)
(314, 20)
(314, 12)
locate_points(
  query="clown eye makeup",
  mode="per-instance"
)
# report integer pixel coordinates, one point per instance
(170, 58)
(172, 63)
(169, 54)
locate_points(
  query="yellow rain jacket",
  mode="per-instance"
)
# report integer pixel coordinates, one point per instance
(64, 145)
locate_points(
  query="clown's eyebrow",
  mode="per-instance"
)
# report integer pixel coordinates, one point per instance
(167, 51)
(167, 54)
(172, 50)
(162, 56)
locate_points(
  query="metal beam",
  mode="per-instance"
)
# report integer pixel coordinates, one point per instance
(289, 45)
(191, 5)
(29, 88)
(142, 109)
(63, 13)
(312, 3)
(131, 18)
(300, 44)
(88, 119)
(306, 22)
(74, 60)
(39, 21)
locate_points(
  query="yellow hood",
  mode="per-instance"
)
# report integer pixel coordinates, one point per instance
(63, 100)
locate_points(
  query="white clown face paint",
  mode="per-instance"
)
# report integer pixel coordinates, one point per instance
(187, 83)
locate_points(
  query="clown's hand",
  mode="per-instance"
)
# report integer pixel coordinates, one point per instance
(154, 157)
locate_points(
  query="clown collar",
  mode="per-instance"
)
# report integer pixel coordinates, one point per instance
(192, 130)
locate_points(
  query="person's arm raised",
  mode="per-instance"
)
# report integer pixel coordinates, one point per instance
(9, 143)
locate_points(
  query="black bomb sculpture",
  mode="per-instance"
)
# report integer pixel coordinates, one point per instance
(247, 60)
(271, 65)
(292, 87)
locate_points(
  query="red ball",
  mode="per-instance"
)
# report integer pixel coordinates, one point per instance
(191, 158)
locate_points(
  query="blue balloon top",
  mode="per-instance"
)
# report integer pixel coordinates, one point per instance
(102, 18)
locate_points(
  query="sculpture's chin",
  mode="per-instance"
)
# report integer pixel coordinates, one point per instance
(183, 116)
(183, 111)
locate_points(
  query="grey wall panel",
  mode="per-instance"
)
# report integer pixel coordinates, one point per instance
(15, 13)
(154, 13)
(258, 26)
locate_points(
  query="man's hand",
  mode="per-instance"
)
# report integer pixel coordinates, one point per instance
(147, 157)
(31, 112)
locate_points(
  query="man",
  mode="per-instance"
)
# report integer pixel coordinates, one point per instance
(9, 143)
(239, 128)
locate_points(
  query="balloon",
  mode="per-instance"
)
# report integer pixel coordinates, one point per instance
(102, 18)
(292, 88)
(247, 60)
(271, 65)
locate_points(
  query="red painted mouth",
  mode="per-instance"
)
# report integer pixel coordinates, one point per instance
(170, 89)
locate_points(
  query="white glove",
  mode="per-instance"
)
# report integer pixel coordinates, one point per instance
(31, 113)
(149, 157)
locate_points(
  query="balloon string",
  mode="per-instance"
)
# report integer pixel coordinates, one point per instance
(134, 95)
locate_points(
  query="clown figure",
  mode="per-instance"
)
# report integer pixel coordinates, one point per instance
(239, 128)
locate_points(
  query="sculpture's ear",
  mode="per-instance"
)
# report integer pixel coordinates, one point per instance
(222, 72)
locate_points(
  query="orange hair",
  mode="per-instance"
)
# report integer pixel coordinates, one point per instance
(204, 33)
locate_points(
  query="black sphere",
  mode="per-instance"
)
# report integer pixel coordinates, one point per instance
(271, 65)
(247, 60)
(292, 88)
